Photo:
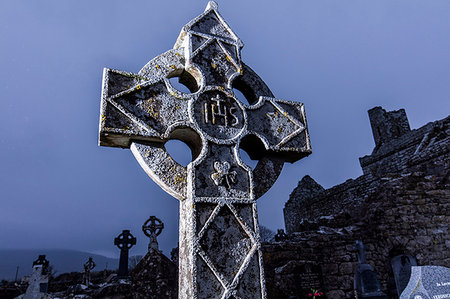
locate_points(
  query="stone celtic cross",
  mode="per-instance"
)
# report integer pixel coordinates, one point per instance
(88, 267)
(152, 228)
(124, 241)
(219, 243)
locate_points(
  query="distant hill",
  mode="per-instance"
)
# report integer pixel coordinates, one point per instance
(62, 260)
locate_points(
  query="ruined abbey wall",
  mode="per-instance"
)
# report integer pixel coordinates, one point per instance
(401, 205)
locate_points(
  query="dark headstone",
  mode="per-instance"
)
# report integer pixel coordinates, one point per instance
(308, 278)
(401, 267)
(124, 241)
(366, 284)
(428, 282)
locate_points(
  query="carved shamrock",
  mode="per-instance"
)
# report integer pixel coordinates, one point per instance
(223, 176)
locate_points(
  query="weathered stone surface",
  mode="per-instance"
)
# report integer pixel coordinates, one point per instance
(219, 246)
(155, 276)
(428, 282)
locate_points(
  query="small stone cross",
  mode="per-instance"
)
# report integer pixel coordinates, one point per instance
(219, 244)
(152, 228)
(124, 241)
(88, 267)
(41, 260)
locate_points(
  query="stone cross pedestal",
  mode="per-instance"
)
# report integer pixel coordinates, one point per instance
(124, 241)
(152, 228)
(219, 243)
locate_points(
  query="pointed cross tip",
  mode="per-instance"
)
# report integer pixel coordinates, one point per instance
(212, 5)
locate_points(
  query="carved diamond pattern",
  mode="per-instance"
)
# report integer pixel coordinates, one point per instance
(226, 244)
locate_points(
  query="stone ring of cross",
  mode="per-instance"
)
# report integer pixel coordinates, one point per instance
(125, 240)
(143, 111)
(153, 226)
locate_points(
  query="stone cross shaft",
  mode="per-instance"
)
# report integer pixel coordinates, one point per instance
(124, 241)
(219, 243)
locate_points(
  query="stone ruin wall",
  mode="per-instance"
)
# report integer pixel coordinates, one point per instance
(401, 205)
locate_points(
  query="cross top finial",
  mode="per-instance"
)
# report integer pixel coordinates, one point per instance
(212, 5)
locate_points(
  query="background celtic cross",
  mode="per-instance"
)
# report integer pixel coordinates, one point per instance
(152, 228)
(124, 241)
(220, 250)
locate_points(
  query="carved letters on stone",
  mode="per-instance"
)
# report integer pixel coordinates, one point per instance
(220, 250)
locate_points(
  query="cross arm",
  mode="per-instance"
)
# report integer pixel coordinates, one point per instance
(281, 128)
(136, 108)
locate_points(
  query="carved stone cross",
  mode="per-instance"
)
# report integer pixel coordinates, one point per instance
(124, 241)
(152, 228)
(220, 250)
(88, 267)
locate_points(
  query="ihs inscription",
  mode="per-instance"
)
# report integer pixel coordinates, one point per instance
(220, 112)
(219, 115)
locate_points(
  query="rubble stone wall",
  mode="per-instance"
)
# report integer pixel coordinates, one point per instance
(401, 205)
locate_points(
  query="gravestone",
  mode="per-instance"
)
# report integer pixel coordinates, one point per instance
(366, 284)
(309, 279)
(124, 241)
(401, 267)
(38, 281)
(428, 282)
(88, 267)
(219, 244)
(152, 228)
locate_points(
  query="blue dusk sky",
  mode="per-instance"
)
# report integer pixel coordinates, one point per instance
(59, 189)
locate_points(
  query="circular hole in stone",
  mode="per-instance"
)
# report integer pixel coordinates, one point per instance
(179, 151)
(246, 159)
(174, 81)
(240, 96)
(183, 81)
(243, 92)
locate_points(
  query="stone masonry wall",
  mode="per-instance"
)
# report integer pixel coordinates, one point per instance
(410, 214)
(401, 205)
